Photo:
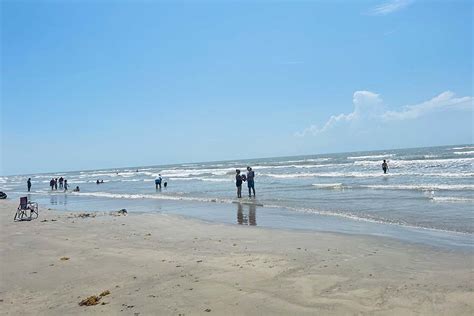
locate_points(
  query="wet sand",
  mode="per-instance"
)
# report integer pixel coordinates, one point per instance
(168, 265)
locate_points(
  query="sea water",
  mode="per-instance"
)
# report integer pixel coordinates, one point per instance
(426, 196)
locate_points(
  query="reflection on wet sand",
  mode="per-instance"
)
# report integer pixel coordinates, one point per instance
(247, 216)
(55, 199)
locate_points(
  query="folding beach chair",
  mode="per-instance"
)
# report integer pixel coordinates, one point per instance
(23, 209)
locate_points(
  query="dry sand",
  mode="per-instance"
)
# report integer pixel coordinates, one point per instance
(155, 264)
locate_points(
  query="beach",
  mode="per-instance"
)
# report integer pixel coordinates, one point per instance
(169, 265)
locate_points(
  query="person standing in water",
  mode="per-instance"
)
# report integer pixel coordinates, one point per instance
(384, 166)
(250, 181)
(61, 180)
(158, 182)
(28, 183)
(65, 185)
(238, 183)
(51, 184)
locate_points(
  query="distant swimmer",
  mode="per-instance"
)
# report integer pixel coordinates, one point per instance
(165, 184)
(97, 182)
(384, 166)
(250, 181)
(238, 183)
(28, 183)
(76, 189)
(158, 182)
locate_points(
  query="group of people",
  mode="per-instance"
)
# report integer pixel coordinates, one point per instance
(240, 178)
(53, 183)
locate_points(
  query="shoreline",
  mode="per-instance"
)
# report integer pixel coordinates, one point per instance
(276, 217)
(173, 265)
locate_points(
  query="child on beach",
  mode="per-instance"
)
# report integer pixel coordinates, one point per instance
(238, 183)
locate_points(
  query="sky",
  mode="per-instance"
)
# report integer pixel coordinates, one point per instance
(104, 84)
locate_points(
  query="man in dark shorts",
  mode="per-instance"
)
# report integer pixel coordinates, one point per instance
(250, 181)
(384, 166)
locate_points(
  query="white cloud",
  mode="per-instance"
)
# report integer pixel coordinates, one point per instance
(390, 7)
(369, 107)
(366, 104)
(442, 102)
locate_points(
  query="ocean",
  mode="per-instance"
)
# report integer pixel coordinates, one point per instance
(426, 197)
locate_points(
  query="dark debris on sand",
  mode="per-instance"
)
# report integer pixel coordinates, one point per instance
(94, 299)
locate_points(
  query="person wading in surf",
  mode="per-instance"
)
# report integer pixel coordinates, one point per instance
(238, 183)
(250, 181)
(384, 166)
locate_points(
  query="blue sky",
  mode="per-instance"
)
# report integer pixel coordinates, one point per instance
(97, 84)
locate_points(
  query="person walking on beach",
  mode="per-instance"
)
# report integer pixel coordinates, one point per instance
(250, 181)
(51, 184)
(158, 182)
(65, 185)
(28, 183)
(384, 166)
(61, 180)
(238, 183)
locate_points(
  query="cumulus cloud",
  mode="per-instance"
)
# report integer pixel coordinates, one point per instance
(442, 102)
(369, 108)
(389, 7)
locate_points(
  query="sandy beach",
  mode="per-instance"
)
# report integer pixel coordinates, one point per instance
(160, 264)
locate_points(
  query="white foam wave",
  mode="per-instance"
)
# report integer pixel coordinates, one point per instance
(202, 179)
(461, 148)
(422, 187)
(328, 175)
(470, 152)
(308, 160)
(328, 185)
(196, 172)
(149, 196)
(452, 199)
(371, 157)
(445, 163)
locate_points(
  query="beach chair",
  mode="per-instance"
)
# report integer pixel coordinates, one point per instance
(24, 208)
